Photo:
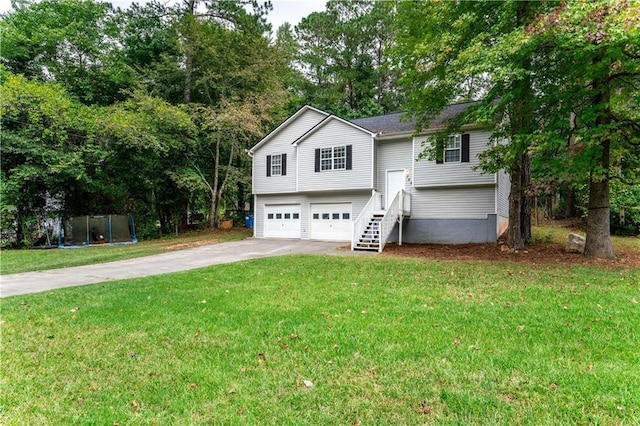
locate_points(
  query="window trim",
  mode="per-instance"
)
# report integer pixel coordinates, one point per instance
(449, 146)
(326, 158)
(276, 161)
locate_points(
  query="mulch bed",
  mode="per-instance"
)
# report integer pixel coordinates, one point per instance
(538, 254)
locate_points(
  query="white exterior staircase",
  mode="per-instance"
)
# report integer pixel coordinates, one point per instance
(373, 226)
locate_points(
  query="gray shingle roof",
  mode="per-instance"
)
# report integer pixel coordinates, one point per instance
(401, 122)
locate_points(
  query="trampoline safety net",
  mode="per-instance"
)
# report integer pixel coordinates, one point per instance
(88, 230)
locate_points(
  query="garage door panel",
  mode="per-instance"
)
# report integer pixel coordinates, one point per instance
(282, 221)
(331, 221)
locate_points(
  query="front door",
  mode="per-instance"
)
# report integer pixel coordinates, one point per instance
(395, 182)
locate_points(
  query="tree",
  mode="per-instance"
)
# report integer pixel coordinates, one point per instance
(69, 41)
(593, 75)
(47, 150)
(474, 51)
(343, 55)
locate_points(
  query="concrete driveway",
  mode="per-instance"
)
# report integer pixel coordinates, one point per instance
(181, 260)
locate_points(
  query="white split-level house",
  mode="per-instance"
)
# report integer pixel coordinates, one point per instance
(321, 177)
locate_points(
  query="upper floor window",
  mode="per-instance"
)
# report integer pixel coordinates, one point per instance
(277, 165)
(334, 158)
(455, 150)
(452, 149)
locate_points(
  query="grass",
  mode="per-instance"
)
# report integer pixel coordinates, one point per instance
(329, 340)
(553, 233)
(15, 261)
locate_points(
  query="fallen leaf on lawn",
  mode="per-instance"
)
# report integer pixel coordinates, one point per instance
(261, 358)
(357, 423)
(192, 386)
(285, 346)
(363, 312)
(554, 386)
(232, 391)
(425, 408)
(132, 354)
(241, 410)
(294, 336)
(456, 342)
(80, 400)
(335, 346)
(136, 406)
(590, 367)
(308, 383)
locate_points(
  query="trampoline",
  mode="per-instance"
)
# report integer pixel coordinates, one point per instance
(83, 231)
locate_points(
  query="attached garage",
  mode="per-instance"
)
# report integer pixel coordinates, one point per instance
(282, 221)
(331, 221)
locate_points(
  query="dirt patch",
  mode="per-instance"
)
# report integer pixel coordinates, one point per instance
(538, 254)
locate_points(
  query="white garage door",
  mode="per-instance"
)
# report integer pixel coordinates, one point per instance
(282, 221)
(331, 222)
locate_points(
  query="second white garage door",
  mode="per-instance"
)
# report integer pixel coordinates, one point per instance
(331, 222)
(282, 221)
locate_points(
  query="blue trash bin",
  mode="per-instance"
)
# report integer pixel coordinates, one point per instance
(248, 221)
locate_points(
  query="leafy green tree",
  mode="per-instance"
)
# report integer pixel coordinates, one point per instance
(47, 150)
(68, 41)
(593, 75)
(343, 55)
(474, 51)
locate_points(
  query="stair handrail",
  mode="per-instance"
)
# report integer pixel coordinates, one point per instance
(363, 218)
(390, 218)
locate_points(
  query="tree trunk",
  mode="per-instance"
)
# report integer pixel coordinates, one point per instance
(214, 222)
(519, 230)
(598, 244)
(188, 62)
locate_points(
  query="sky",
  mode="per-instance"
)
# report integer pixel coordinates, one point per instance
(291, 11)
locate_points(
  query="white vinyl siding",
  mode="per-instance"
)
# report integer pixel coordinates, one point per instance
(281, 143)
(357, 200)
(335, 134)
(453, 203)
(429, 174)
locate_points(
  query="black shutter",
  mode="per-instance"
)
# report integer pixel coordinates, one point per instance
(268, 165)
(349, 157)
(439, 151)
(465, 148)
(317, 160)
(284, 164)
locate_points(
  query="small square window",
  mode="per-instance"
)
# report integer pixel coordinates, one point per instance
(278, 215)
(296, 215)
(287, 215)
(346, 216)
(336, 216)
(325, 216)
(270, 216)
(316, 215)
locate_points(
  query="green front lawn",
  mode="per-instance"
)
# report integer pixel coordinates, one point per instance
(329, 340)
(14, 261)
